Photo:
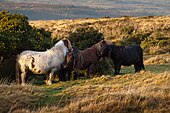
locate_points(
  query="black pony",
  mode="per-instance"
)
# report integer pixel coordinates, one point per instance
(124, 55)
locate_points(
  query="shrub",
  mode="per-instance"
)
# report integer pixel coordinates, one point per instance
(135, 38)
(17, 35)
(85, 37)
(157, 43)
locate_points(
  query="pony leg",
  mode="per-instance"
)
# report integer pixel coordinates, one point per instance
(75, 76)
(90, 70)
(117, 69)
(142, 66)
(62, 74)
(18, 71)
(23, 75)
(141, 63)
(49, 80)
(138, 67)
(68, 75)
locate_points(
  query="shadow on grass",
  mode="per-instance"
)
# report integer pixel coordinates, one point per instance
(53, 97)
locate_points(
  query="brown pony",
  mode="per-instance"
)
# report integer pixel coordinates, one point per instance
(84, 59)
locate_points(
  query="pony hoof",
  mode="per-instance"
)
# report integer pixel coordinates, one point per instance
(23, 84)
(48, 82)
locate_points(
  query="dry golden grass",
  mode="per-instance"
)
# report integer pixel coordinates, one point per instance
(110, 27)
(140, 92)
(158, 59)
(13, 97)
(153, 31)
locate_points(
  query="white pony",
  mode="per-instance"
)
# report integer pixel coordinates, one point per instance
(47, 62)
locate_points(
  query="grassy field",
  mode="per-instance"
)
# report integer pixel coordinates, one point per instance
(147, 91)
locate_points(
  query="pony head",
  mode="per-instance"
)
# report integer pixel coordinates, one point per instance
(67, 43)
(105, 51)
(100, 46)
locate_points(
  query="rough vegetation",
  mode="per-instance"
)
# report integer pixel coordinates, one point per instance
(85, 37)
(152, 33)
(141, 92)
(17, 35)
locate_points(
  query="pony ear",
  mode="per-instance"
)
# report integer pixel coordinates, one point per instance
(65, 42)
(102, 38)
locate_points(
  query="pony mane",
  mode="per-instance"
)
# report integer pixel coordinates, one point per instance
(99, 45)
(59, 43)
(59, 46)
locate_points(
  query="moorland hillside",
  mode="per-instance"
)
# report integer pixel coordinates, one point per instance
(147, 91)
(152, 33)
(141, 92)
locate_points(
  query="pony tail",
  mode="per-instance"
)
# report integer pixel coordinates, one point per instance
(17, 71)
(143, 67)
(75, 56)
